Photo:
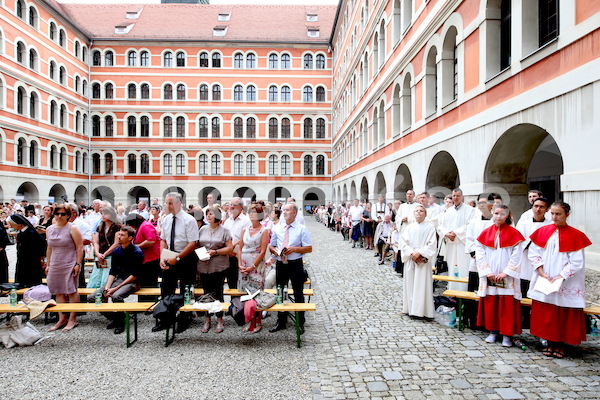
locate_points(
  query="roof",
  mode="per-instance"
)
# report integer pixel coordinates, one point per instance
(252, 23)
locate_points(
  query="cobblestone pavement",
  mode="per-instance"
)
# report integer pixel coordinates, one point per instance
(361, 347)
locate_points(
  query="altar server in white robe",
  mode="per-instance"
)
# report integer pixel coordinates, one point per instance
(453, 228)
(498, 253)
(418, 253)
(557, 251)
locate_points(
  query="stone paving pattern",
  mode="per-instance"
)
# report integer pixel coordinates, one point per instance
(362, 347)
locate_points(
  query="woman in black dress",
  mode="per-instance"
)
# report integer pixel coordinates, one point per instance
(4, 241)
(31, 249)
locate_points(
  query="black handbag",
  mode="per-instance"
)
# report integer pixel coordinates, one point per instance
(441, 265)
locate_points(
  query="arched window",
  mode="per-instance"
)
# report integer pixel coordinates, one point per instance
(63, 116)
(96, 58)
(77, 46)
(144, 164)
(77, 84)
(95, 125)
(238, 128)
(216, 92)
(238, 93)
(108, 126)
(320, 165)
(33, 59)
(144, 126)
(308, 61)
(108, 59)
(20, 52)
(273, 167)
(21, 151)
(286, 94)
(144, 59)
(382, 47)
(52, 112)
(180, 59)
(215, 162)
(250, 61)
(216, 60)
(52, 31)
(85, 119)
(431, 83)
(180, 126)
(145, 91)
(95, 164)
(273, 93)
(77, 161)
(320, 94)
(203, 60)
(108, 91)
(108, 164)
(216, 127)
(238, 163)
(21, 96)
(33, 99)
(167, 164)
(131, 91)
(132, 164)
(307, 94)
(131, 126)
(62, 75)
(203, 164)
(406, 103)
(320, 129)
(19, 9)
(273, 128)
(62, 40)
(132, 59)
(273, 61)
(449, 67)
(203, 96)
(53, 157)
(308, 128)
(181, 91)
(308, 165)
(250, 128)
(238, 61)
(62, 160)
(168, 127)
(285, 61)
(250, 164)
(52, 70)
(84, 163)
(168, 59)
(33, 150)
(203, 127)
(251, 93)
(285, 128)
(285, 165)
(77, 118)
(84, 87)
(95, 90)
(179, 164)
(320, 61)
(168, 92)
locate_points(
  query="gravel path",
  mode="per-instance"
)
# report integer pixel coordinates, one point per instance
(356, 346)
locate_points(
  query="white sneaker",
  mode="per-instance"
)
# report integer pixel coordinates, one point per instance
(507, 341)
(491, 338)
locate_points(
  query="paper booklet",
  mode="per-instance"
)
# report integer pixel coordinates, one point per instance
(543, 285)
(167, 254)
(202, 254)
(249, 295)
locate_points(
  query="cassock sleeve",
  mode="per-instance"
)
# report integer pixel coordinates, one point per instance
(483, 267)
(514, 262)
(405, 248)
(535, 256)
(574, 264)
(429, 249)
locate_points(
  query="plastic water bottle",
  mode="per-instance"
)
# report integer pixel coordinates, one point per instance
(192, 295)
(519, 344)
(285, 293)
(452, 318)
(279, 299)
(98, 298)
(594, 326)
(456, 270)
(186, 295)
(13, 297)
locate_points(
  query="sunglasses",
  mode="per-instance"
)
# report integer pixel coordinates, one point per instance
(61, 213)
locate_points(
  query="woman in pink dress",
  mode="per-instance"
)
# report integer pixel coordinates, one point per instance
(64, 260)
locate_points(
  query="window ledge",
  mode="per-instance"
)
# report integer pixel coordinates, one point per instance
(498, 74)
(448, 105)
(539, 49)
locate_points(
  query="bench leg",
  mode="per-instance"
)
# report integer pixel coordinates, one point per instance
(298, 344)
(170, 340)
(127, 328)
(459, 315)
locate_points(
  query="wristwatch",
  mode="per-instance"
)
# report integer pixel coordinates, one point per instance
(178, 258)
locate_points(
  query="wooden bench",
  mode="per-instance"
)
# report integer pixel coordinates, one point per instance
(450, 279)
(285, 307)
(461, 295)
(127, 308)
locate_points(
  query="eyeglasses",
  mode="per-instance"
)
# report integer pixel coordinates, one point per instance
(61, 214)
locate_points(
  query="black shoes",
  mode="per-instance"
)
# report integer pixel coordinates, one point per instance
(112, 325)
(119, 329)
(277, 328)
(302, 330)
(158, 327)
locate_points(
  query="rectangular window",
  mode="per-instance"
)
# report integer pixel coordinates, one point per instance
(548, 20)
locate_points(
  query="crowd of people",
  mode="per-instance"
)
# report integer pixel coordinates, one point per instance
(254, 246)
(504, 261)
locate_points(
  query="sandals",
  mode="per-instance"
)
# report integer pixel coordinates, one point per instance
(257, 328)
(219, 327)
(558, 353)
(205, 327)
(57, 327)
(547, 352)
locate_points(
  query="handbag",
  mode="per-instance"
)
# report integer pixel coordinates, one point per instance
(265, 300)
(236, 310)
(441, 265)
(16, 333)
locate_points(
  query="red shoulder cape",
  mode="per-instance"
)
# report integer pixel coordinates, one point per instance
(509, 236)
(569, 238)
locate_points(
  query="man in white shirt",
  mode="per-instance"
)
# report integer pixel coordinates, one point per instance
(382, 235)
(94, 217)
(236, 223)
(532, 195)
(141, 210)
(354, 215)
(210, 201)
(380, 209)
(453, 228)
(86, 234)
(288, 243)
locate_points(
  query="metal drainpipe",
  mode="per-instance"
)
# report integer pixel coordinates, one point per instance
(89, 123)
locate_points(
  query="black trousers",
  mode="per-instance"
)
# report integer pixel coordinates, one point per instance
(471, 306)
(213, 284)
(380, 246)
(184, 271)
(292, 271)
(232, 273)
